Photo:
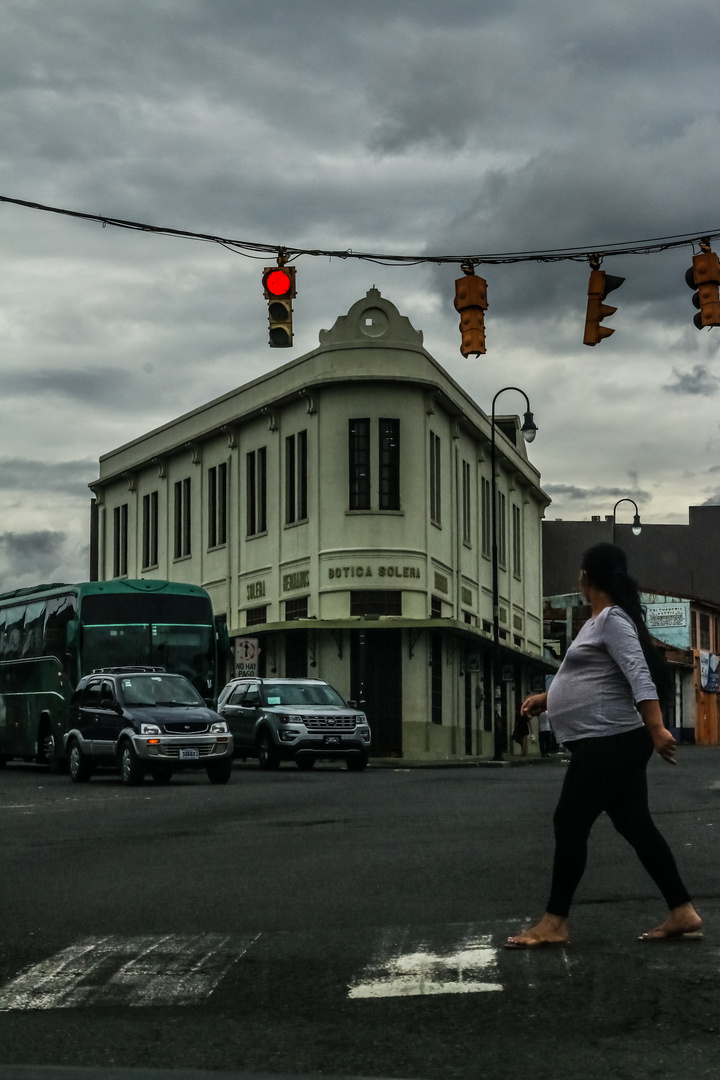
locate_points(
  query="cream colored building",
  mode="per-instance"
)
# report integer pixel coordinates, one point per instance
(337, 511)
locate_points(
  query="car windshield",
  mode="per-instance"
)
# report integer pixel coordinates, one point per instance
(158, 690)
(300, 693)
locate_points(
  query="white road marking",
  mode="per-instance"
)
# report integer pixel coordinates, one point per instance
(171, 969)
(470, 969)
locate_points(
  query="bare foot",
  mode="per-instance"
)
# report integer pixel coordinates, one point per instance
(683, 921)
(551, 930)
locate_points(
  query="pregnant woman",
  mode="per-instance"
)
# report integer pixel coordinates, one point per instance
(604, 706)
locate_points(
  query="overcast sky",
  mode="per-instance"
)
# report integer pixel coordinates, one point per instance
(402, 126)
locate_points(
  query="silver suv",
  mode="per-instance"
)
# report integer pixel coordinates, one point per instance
(298, 720)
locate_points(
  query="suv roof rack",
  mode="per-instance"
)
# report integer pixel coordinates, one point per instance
(128, 667)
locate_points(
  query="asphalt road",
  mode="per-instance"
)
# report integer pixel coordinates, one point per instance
(347, 924)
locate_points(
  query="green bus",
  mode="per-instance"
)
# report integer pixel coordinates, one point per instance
(52, 635)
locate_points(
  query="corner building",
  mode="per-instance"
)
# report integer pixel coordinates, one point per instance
(338, 512)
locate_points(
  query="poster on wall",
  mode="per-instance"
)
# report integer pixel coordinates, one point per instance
(709, 672)
(247, 654)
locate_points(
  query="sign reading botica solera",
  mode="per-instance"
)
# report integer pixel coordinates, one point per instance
(336, 572)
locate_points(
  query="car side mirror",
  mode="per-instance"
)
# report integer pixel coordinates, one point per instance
(109, 704)
(352, 704)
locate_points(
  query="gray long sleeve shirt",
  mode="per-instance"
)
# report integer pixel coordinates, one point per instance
(602, 676)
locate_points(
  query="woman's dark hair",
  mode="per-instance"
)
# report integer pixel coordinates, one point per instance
(605, 567)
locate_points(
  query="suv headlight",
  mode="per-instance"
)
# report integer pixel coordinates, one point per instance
(219, 728)
(150, 729)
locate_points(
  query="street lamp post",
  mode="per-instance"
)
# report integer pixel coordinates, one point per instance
(529, 431)
(636, 525)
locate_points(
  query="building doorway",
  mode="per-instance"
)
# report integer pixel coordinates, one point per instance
(376, 685)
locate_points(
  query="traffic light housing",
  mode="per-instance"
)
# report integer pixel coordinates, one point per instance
(279, 288)
(599, 286)
(704, 276)
(471, 302)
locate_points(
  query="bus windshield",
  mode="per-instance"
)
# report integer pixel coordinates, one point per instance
(174, 632)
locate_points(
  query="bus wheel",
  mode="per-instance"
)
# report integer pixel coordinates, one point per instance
(79, 767)
(46, 748)
(130, 769)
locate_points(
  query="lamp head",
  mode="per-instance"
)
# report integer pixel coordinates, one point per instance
(636, 525)
(529, 428)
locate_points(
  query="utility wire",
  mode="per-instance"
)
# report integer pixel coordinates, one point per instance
(253, 249)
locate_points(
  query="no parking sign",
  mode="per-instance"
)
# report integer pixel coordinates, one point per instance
(247, 654)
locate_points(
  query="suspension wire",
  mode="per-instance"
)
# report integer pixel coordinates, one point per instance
(252, 249)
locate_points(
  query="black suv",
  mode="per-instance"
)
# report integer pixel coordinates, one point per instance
(144, 720)
(294, 719)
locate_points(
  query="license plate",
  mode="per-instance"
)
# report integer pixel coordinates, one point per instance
(332, 740)
(189, 753)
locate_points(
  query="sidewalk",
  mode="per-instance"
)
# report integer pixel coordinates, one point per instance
(467, 762)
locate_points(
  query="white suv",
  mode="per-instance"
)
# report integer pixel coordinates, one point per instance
(297, 720)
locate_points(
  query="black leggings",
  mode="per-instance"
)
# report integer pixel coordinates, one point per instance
(609, 773)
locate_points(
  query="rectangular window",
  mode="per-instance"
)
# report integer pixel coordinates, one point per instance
(466, 527)
(256, 494)
(704, 632)
(150, 530)
(182, 518)
(296, 477)
(296, 654)
(693, 630)
(435, 488)
(486, 515)
(375, 602)
(359, 464)
(256, 615)
(217, 505)
(296, 609)
(516, 541)
(436, 677)
(501, 528)
(120, 540)
(435, 607)
(389, 464)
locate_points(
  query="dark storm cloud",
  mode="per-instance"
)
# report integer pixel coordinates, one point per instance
(577, 494)
(45, 555)
(466, 127)
(68, 477)
(697, 381)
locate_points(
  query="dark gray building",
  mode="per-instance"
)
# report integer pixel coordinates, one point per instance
(677, 560)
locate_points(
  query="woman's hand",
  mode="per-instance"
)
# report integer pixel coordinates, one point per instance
(663, 741)
(533, 705)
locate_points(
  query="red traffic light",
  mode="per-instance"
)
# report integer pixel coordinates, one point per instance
(279, 287)
(279, 282)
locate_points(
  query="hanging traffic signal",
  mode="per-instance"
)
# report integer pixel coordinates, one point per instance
(279, 286)
(599, 286)
(471, 302)
(704, 275)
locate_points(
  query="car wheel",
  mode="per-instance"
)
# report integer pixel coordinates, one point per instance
(219, 772)
(79, 767)
(357, 762)
(162, 774)
(267, 754)
(130, 769)
(305, 761)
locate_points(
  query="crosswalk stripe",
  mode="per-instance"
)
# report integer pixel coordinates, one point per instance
(169, 969)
